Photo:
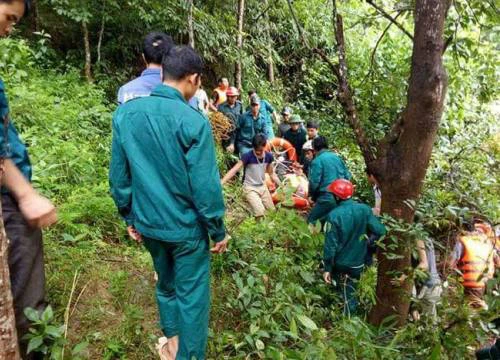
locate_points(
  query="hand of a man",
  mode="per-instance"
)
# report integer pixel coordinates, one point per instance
(134, 234)
(230, 148)
(327, 277)
(37, 210)
(221, 246)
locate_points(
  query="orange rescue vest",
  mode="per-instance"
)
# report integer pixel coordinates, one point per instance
(476, 264)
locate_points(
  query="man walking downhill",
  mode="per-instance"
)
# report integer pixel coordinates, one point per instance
(156, 45)
(165, 183)
(345, 242)
(325, 168)
(24, 210)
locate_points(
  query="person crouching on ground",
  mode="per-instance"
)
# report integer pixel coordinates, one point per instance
(256, 163)
(345, 247)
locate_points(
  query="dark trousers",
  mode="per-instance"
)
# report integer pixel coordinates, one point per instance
(27, 273)
(346, 282)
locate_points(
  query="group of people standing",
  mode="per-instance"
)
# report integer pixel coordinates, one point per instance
(166, 185)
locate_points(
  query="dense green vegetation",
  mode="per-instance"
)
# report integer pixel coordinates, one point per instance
(269, 300)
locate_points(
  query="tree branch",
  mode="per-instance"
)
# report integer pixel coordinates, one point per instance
(390, 18)
(345, 94)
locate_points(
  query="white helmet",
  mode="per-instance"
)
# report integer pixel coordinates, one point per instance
(308, 146)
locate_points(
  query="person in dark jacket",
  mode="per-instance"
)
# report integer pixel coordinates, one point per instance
(345, 247)
(296, 135)
(170, 196)
(233, 109)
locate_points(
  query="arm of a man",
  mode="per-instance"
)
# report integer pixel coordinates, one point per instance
(315, 174)
(374, 224)
(205, 180)
(120, 181)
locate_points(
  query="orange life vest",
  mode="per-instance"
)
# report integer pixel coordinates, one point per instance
(476, 264)
(222, 96)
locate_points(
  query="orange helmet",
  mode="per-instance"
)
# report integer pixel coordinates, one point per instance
(342, 188)
(232, 91)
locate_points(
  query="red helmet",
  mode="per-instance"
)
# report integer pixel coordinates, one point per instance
(232, 91)
(342, 188)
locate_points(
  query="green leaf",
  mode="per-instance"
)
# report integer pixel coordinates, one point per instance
(35, 343)
(307, 322)
(48, 314)
(79, 348)
(32, 314)
(259, 345)
(293, 327)
(55, 331)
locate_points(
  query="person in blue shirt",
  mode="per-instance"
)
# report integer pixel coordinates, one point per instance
(156, 45)
(23, 210)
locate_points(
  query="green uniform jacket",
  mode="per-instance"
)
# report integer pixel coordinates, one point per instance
(297, 139)
(345, 237)
(324, 169)
(247, 127)
(12, 147)
(233, 113)
(163, 173)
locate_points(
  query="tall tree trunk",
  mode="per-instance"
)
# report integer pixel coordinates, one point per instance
(36, 15)
(405, 158)
(190, 23)
(238, 67)
(270, 62)
(88, 58)
(8, 335)
(101, 32)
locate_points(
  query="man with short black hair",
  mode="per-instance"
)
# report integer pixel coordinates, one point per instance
(325, 168)
(219, 95)
(165, 182)
(256, 162)
(312, 130)
(156, 45)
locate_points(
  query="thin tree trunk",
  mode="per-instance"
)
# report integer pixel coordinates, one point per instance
(36, 15)
(101, 32)
(88, 58)
(270, 61)
(238, 67)
(8, 335)
(406, 159)
(190, 23)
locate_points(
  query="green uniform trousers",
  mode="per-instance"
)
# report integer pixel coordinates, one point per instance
(346, 282)
(183, 292)
(324, 204)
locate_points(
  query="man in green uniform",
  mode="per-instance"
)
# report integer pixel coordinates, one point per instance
(165, 183)
(267, 110)
(250, 124)
(345, 242)
(233, 109)
(24, 211)
(296, 135)
(324, 169)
